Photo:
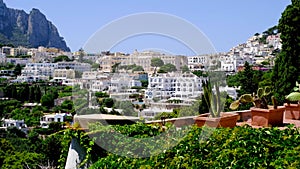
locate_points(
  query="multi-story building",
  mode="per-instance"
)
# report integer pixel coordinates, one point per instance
(6, 50)
(274, 40)
(18, 51)
(120, 83)
(144, 59)
(197, 62)
(77, 66)
(177, 85)
(35, 69)
(108, 60)
(30, 78)
(61, 74)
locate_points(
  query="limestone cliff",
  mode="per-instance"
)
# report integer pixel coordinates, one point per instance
(30, 30)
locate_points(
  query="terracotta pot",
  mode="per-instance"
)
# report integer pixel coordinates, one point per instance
(266, 117)
(292, 111)
(226, 120)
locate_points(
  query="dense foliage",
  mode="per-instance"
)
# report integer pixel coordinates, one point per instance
(19, 151)
(249, 80)
(287, 70)
(167, 68)
(241, 147)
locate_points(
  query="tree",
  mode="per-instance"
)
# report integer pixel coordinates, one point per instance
(37, 93)
(156, 62)
(167, 68)
(127, 107)
(18, 70)
(287, 70)
(247, 82)
(108, 102)
(78, 74)
(67, 105)
(47, 100)
(192, 110)
(31, 94)
(62, 58)
(144, 83)
(95, 66)
(101, 94)
(24, 93)
(185, 69)
(10, 91)
(138, 68)
(115, 67)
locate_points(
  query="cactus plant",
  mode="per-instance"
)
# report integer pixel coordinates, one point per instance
(259, 99)
(212, 99)
(294, 96)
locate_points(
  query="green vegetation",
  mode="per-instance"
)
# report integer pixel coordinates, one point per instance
(23, 92)
(19, 151)
(167, 68)
(62, 58)
(249, 80)
(271, 31)
(213, 100)
(185, 69)
(156, 62)
(294, 96)
(133, 68)
(287, 70)
(200, 73)
(260, 99)
(240, 147)
(127, 107)
(7, 66)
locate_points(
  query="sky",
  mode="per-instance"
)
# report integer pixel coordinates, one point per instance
(225, 23)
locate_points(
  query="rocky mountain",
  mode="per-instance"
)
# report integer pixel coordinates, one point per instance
(29, 30)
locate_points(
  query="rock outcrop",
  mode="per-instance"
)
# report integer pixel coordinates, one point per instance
(30, 30)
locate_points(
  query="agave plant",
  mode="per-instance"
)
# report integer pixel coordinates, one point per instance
(294, 96)
(259, 99)
(212, 99)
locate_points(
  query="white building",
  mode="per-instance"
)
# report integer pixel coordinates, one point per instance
(120, 83)
(6, 50)
(275, 41)
(178, 85)
(50, 118)
(14, 123)
(197, 62)
(30, 79)
(35, 69)
(77, 66)
(2, 58)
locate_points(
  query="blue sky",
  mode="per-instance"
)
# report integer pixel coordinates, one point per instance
(225, 23)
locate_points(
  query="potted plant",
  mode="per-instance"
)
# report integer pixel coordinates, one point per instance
(262, 114)
(215, 118)
(292, 111)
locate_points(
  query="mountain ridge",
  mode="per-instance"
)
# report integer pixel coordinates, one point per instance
(29, 30)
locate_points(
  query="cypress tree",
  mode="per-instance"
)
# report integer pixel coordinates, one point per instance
(287, 64)
(248, 85)
(31, 94)
(38, 93)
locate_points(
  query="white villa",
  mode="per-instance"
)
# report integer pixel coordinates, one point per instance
(178, 85)
(14, 123)
(49, 118)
